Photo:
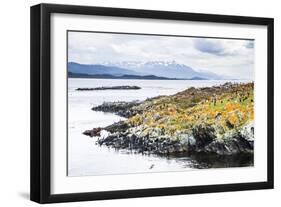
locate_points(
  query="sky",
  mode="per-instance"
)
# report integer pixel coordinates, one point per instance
(229, 57)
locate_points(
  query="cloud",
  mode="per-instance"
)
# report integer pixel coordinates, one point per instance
(223, 47)
(249, 44)
(222, 56)
(209, 46)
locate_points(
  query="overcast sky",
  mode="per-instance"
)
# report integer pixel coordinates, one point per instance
(228, 57)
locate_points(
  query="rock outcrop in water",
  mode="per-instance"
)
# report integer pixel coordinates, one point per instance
(110, 88)
(124, 109)
(216, 120)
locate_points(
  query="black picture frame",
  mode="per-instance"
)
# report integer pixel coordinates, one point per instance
(40, 180)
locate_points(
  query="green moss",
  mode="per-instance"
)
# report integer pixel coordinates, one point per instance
(224, 108)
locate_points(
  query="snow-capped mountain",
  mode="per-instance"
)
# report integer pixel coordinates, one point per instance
(99, 69)
(170, 69)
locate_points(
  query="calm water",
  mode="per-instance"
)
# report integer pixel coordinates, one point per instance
(87, 158)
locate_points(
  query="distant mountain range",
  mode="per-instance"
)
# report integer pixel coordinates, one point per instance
(139, 70)
(107, 76)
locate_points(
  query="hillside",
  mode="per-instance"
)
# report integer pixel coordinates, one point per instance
(170, 70)
(217, 119)
(98, 69)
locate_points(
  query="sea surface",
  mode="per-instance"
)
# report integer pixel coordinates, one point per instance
(86, 158)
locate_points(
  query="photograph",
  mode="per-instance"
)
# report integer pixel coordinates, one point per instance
(143, 103)
(132, 103)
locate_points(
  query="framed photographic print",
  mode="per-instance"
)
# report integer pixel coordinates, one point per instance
(132, 103)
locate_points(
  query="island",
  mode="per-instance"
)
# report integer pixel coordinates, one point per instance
(110, 88)
(215, 120)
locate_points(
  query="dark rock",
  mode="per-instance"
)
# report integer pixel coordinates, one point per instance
(93, 132)
(237, 144)
(124, 109)
(203, 135)
(120, 126)
(229, 124)
(203, 140)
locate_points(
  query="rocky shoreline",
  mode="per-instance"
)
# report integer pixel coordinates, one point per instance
(121, 136)
(150, 124)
